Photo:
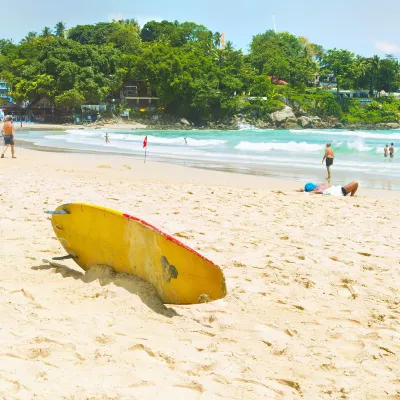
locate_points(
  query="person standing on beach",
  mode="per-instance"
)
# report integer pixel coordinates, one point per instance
(8, 134)
(386, 150)
(329, 157)
(107, 139)
(391, 150)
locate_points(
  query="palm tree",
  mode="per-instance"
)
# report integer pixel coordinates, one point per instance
(359, 70)
(60, 29)
(46, 32)
(229, 46)
(29, 38)
(217, 39)
(374, 64)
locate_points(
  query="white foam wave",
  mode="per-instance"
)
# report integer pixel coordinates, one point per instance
(361, 134)
(249, 127)
(358, 145)
(289, 146)
(126, 137)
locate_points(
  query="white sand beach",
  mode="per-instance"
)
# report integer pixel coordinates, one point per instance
(312, 310)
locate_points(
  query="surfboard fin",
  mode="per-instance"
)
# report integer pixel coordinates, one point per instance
(68, 257)
(61, 212)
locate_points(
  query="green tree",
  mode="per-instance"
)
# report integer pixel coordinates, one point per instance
(30, 37)
(46, 32)
(60, 29)
(285, 56)
(217, 39)
(71, 99)
(33, 90)
(388, 74)
(341, 64)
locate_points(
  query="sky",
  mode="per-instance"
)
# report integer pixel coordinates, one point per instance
(366, 27)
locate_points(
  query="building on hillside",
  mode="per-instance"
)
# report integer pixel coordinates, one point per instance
(358, 94)
(9, 108)
(325, 81)
(5, 90)
(137, 95)
(44, 110)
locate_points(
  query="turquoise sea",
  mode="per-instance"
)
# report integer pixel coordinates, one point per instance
(291, 154)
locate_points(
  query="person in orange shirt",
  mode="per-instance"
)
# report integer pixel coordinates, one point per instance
(8, 134)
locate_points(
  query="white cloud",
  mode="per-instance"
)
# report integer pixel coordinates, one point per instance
(387, 47)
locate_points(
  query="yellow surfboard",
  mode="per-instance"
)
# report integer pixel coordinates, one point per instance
(94, 235)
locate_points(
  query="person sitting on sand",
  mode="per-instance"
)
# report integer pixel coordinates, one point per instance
(323, 188)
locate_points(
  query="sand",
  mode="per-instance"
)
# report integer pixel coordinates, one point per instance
(312, 309)
(62, 127)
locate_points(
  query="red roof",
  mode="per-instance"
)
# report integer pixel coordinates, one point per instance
(277, 81)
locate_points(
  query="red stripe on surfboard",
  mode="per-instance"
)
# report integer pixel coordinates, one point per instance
(168, 237)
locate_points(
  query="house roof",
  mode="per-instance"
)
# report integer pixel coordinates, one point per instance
(7, 104)
(44, 102)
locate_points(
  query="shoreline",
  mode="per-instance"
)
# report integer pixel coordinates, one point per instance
(275, 172)
(148, 125)
(230, 176)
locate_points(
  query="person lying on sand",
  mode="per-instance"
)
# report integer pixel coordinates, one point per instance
(327, 189)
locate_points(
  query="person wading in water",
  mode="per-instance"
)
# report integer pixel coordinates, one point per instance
(329, 157)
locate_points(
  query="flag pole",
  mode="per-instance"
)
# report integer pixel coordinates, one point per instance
(145, 148)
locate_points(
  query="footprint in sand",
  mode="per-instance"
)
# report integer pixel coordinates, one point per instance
(103, 166)
(161, 356)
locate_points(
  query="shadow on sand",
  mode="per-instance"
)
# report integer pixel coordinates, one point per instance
(105, 275)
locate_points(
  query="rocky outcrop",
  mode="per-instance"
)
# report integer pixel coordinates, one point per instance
(185, 122)
(304, 122)
(392, 125)
(311, 122)
(282, 116)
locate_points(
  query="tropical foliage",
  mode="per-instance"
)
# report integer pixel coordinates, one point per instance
(193, 76)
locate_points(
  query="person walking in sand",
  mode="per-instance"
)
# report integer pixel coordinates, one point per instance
(386, 151)
(107, 138)
(391, 150)
(8, 135)
(329, 157)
